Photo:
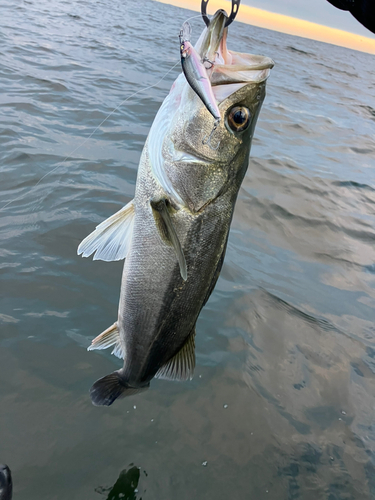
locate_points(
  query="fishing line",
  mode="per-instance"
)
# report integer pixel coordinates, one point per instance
(92, 133)
(89, 137)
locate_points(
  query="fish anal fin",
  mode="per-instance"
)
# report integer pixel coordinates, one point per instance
(181, 366)
(111, 239)
(167, 231)
(110, 337)
(111, 387)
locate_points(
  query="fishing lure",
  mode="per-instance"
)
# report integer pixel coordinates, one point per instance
(196, 72)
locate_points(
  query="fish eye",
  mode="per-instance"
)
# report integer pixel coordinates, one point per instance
(239, 118)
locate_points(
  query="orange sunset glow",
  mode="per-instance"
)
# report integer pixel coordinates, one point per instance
(285, 24)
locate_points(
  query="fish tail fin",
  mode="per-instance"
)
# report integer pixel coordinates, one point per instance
(107, 389)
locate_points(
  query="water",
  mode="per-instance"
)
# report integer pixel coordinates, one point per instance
(282, 402)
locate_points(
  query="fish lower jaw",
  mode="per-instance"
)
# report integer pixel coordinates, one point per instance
(181, 157)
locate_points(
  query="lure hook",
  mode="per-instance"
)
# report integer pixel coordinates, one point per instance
(234, 12)
(185, 33)
(207, 139)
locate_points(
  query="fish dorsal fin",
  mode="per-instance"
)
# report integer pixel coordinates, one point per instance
(111, 239)
(167, 231)
(181, 366)
(108, 338)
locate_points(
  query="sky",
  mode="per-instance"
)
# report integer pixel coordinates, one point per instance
(315, 19)
(316, 11)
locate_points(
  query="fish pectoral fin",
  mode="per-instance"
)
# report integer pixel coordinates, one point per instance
(111, 239)
(167, 231)
(181, 366)
(108, 388)
(108, 338)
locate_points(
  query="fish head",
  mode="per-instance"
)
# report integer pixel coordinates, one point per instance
(200, 157)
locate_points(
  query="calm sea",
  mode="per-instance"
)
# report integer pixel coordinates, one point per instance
(282, 405)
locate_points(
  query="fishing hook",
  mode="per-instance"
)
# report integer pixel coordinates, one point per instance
(206, 60)
(235, 8)
(207, 139)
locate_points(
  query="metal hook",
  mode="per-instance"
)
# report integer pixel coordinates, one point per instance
(207, 140)
(206, 60)
(234, 12)
(185, 32)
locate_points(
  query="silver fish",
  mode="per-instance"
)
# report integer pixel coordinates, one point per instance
(6, 486)
(174, 232)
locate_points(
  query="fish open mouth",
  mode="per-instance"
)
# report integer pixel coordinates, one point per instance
(230, 70)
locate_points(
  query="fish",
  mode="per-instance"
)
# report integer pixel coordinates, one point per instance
(6, 485)
(173, 235)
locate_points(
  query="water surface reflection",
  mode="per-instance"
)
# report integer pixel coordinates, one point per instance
(126, 486)
(282, 403)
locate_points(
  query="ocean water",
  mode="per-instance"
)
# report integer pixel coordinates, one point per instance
(282, 405)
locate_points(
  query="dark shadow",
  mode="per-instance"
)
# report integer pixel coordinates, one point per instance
(6, 486)
(362, 10)
(125, 488)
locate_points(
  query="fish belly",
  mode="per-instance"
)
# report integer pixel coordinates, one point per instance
(158, 309)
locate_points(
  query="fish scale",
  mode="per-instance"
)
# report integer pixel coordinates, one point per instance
(174, 233)
(148, 258)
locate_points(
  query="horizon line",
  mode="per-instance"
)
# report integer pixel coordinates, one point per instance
(287, 24)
